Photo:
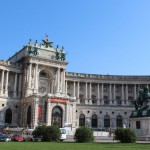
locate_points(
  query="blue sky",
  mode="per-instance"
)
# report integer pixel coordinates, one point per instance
(100, 36)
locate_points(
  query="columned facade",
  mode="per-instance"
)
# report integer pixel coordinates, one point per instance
(37, 89)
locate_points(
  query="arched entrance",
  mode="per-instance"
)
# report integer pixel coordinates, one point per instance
(57, 114)
(8, 116)
(29, 116)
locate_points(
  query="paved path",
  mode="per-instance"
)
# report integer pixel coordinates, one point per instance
(102, 139)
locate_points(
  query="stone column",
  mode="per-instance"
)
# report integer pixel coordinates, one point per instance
(114, 94)
(102, 94)
(98, 98)
(86, 101)
(52, 87)
(64, 77)
(61, 80)
(35, 113)
(48, 113)
(66, 86)
(90, 94)
(66, 113)
(122, 92)
(78, 89)
(110, 94)
(135, 92)
(58, 80)
(29, 79)
(36, 79)
(15, 86)
(2, 82)
(6, 84)
(74, 88)
(126, 92)
(20, 85)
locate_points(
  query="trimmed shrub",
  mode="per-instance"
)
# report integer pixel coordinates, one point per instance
(38, 132)
(84, 134)
(125, 135)
(52, 133)
(47, 133)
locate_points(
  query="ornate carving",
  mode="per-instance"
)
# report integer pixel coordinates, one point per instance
(42, 89)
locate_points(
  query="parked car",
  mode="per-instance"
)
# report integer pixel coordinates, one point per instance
(27, 135)
(4, 138)
(17, 137)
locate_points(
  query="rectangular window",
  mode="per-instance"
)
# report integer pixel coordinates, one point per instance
(138, 125)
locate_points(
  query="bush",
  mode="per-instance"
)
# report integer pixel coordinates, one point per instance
(47, 133)
(125, 135)
(52, 133)
(38, 132)
(84, 134)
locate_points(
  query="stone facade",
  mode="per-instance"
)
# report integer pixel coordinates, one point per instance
(35, 89)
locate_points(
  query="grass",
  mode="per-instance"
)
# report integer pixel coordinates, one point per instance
(71, 146)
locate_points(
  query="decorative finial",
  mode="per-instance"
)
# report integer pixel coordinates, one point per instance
(30, 42)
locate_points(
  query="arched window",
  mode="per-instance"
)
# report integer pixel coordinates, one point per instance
(43, 74)
(57, 114)
(119, 121)
(106, 121)
(8, 116)
(82, 120)
(94, 121)
(29, 116)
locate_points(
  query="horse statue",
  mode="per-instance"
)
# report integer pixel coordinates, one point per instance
(143, 98)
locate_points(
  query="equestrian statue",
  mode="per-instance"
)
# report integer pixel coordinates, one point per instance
(143, 98)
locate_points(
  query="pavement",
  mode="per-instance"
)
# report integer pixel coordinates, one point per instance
(102, 139)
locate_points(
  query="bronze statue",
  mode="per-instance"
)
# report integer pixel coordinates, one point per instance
(143, 98)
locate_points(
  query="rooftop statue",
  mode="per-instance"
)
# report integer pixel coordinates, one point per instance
(143, 98)
(47, 42)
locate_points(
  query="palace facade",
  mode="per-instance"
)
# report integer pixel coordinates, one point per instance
(35, 89)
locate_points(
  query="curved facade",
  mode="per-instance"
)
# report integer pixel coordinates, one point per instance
(35, 89)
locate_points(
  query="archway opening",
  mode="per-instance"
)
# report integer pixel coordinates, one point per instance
(29, 116)
(8, 116)
(57, 115)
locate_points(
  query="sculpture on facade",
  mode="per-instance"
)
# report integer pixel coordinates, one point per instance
(143, 98)
(60, 54)
(33, 50)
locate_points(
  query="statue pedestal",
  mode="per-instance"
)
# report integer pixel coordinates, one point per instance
(140, 121)
(141, 126)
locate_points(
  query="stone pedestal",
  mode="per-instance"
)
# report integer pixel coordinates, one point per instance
(140, 121)
(141, 126)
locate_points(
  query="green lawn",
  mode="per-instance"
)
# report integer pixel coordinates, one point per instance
(70, 146)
